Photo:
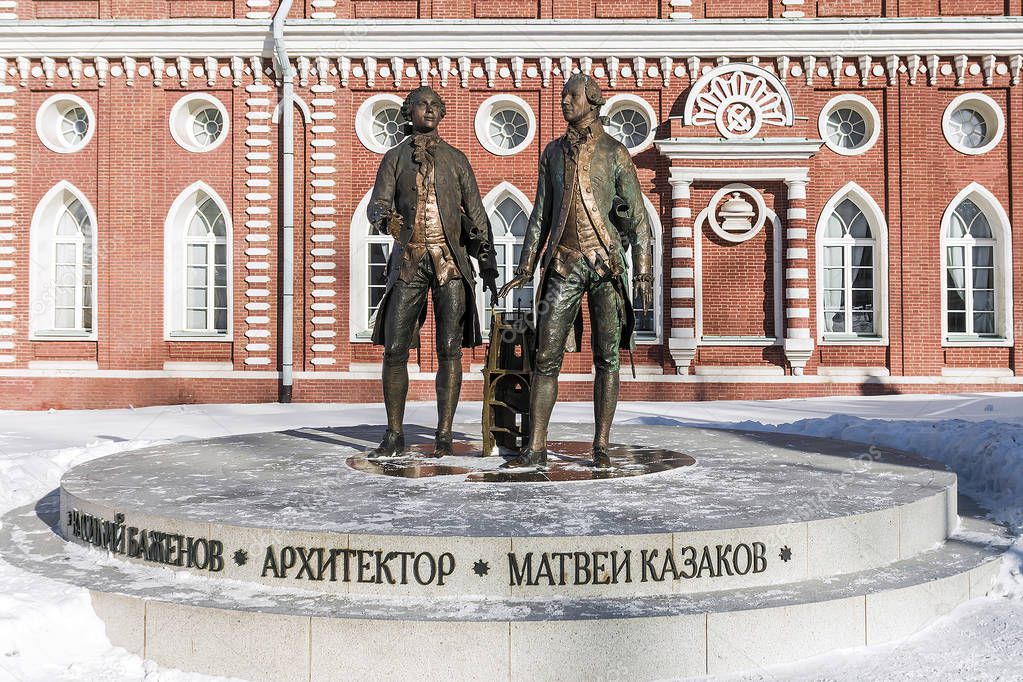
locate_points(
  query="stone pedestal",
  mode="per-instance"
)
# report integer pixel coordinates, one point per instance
(286, 556)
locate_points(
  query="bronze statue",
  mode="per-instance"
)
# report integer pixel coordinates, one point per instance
(588, 211)
(426, 196)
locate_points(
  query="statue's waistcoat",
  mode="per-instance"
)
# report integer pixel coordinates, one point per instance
(463, 220)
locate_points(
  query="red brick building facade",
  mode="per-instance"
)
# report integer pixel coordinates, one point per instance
(831, 185)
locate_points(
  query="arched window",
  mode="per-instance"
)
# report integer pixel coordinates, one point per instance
(369, 253)
(977, 288)
(63, 271)
(197, 275)
(72, 260)
(508, 209)
(206, 270)
(852, 239)
(648, 313)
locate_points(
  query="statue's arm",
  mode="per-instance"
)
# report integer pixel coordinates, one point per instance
(481, 235)
(632, 216)
(539, 221)
(381, 201)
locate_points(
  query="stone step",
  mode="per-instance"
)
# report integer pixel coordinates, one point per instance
(235, 628)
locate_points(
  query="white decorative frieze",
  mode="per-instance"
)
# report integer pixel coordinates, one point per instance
(565, 63)
(932, 69)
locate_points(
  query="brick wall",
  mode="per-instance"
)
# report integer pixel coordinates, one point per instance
(133, 170)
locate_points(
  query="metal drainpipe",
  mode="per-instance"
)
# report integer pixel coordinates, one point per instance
(286, 165)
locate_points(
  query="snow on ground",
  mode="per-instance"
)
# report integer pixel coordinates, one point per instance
(49, 632)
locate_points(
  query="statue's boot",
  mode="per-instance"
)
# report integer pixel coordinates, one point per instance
(605, 399)
(395, 386)
(442, 444)
(601, 457)
(449, 386)
(527, 458)
(543, 393)
(392, 446)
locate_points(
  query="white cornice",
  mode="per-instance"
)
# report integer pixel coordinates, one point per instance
(527, 39)
(757, 148)
(596, 39)
(85, 38)
(687, 176)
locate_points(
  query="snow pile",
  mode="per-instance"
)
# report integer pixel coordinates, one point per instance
(28, 476)
(987, 456)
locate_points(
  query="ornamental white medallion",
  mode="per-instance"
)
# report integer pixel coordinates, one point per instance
(738, 99)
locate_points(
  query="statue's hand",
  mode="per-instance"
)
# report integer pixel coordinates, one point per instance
(643, 290)
(516, 283)
(490, 282)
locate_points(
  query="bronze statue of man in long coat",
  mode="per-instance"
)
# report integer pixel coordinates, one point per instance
(588, 212)
(426, 196)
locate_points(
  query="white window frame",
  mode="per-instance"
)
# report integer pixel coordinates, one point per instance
(1001, 229)
(497, 103)
(865, 108)
(359, 327)
(658, 283)
(988, 108)
(182, 115)
(175, 272)
(48, 119)
(210, 242)
(42, 247)
(366, 115)
(630, 101)
(879, 229)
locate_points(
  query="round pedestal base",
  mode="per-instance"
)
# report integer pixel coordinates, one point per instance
(289, 556)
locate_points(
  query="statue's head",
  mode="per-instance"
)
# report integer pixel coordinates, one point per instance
(580, 96)
(424, 109)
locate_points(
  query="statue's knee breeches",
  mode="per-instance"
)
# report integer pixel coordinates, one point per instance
(401, 317)
(548, 359)
(556, 315)
(449, 310)
(606, 346)
(606, 312)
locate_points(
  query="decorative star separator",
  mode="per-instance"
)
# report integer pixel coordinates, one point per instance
(241, 557)
(481, 568)
(785, 554)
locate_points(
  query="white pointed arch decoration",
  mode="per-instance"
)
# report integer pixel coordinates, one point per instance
(739, 99)
(506, 242)
(75, 289)
(368, 255)
(185, 207)
(503, 189)
(1001, 238)
(879, 236)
